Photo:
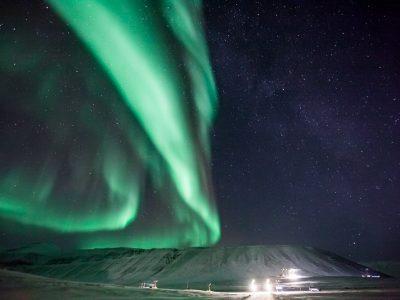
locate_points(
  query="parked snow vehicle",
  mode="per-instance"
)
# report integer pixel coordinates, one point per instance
(149, 285)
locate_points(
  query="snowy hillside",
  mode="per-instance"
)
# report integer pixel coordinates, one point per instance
(173, 266)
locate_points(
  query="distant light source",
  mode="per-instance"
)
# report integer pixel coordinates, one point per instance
(268, 286)
(293, 274)
(253, 286)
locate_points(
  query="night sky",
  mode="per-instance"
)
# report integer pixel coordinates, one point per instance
(304, 147)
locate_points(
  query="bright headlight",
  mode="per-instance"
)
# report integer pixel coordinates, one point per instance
(253, 286)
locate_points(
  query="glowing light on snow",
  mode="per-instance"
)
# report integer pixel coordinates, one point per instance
(268, 286)
(293, 274)
(253, 286)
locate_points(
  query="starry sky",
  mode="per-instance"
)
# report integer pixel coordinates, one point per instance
(306, 146)
(301, 148)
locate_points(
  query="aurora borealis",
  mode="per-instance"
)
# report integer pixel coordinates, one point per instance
(115, 101)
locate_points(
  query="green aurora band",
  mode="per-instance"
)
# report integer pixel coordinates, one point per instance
(114, 147)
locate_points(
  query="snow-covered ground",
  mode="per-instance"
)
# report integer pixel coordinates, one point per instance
(16, 285)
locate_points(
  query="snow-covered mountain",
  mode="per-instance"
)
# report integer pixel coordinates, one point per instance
(175, 266)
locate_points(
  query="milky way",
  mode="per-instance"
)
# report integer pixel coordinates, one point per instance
(110, 106)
